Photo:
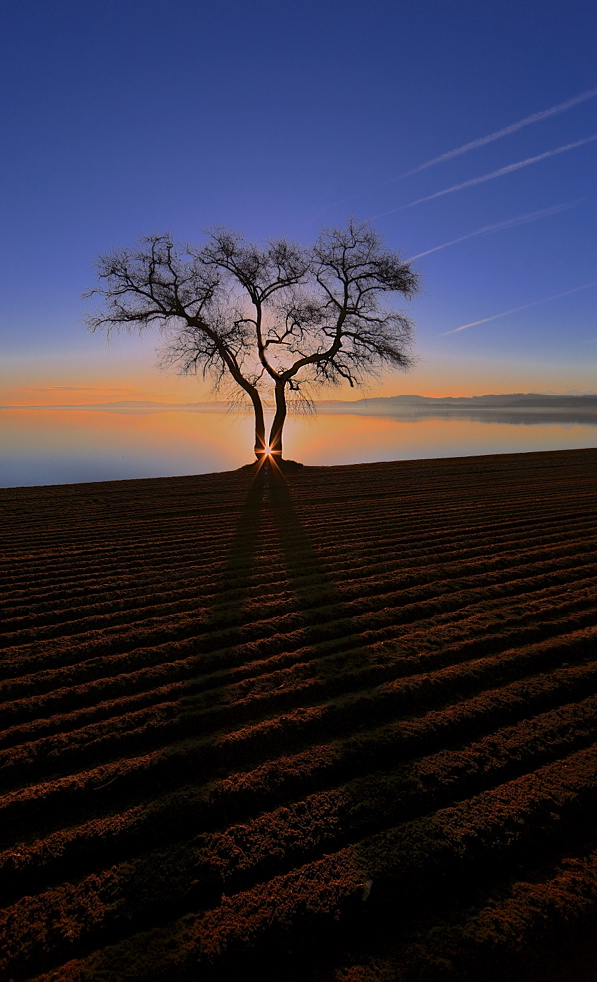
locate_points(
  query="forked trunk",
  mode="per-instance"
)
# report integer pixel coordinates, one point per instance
(275, 436)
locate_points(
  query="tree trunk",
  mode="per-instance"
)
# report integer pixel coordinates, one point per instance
(275, 436)
(260, 444)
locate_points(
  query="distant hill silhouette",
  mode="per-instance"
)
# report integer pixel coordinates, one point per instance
(518, 400)
(517, 407)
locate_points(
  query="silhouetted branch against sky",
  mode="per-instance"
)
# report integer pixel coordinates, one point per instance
(280, 318)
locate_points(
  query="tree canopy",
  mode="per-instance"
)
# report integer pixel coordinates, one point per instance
(277, 321)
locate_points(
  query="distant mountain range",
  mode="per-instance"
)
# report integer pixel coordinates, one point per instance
(515, 400)
(517, 407)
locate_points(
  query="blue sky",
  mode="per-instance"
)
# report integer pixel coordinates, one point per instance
(276, 118)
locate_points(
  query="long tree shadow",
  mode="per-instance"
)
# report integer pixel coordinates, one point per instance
(239, 566)
(329, 621)
(326, 673)
(269, 529)
(308, 579)
(269, 502)
(279, 635)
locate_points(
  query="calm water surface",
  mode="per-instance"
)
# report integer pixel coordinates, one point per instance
(71, 446)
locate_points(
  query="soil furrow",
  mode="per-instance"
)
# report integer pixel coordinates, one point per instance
(118, 899)
(145, 687)
(468, 839)
(357, 706)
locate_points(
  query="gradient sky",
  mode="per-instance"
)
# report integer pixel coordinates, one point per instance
(277, 118)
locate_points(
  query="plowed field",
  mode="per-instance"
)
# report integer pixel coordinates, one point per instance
(337, 727)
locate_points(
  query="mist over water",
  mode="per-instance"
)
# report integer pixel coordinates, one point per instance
(46, 446)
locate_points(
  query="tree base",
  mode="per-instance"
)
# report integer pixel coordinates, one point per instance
(267, 467)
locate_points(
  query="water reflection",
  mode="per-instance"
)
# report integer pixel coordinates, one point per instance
(71, 446)
(347, 439)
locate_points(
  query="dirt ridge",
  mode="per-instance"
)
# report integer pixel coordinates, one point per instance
(355, 705)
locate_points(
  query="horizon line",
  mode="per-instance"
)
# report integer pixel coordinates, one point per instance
(140, 403)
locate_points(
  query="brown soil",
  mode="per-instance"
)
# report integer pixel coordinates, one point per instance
(335, 727)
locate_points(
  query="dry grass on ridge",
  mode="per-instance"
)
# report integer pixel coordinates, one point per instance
(354, 713)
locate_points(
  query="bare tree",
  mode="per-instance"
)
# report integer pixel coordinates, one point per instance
(282, 318)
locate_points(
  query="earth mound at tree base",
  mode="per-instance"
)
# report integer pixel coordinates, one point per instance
(272, 467)
(338, 727)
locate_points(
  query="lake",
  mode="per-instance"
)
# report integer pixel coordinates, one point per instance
(64, 446)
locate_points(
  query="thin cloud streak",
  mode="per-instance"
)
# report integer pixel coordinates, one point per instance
(480, 142)
(512, 128)
(532, 216)
(515, 310)
(509, 169)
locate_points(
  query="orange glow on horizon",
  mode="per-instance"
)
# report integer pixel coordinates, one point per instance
(64, 382)
(60, 384)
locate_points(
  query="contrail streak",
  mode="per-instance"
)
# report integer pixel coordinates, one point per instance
(512, 128)
(489, 177)
(505, 131)
(532, 216)
(515, 310)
